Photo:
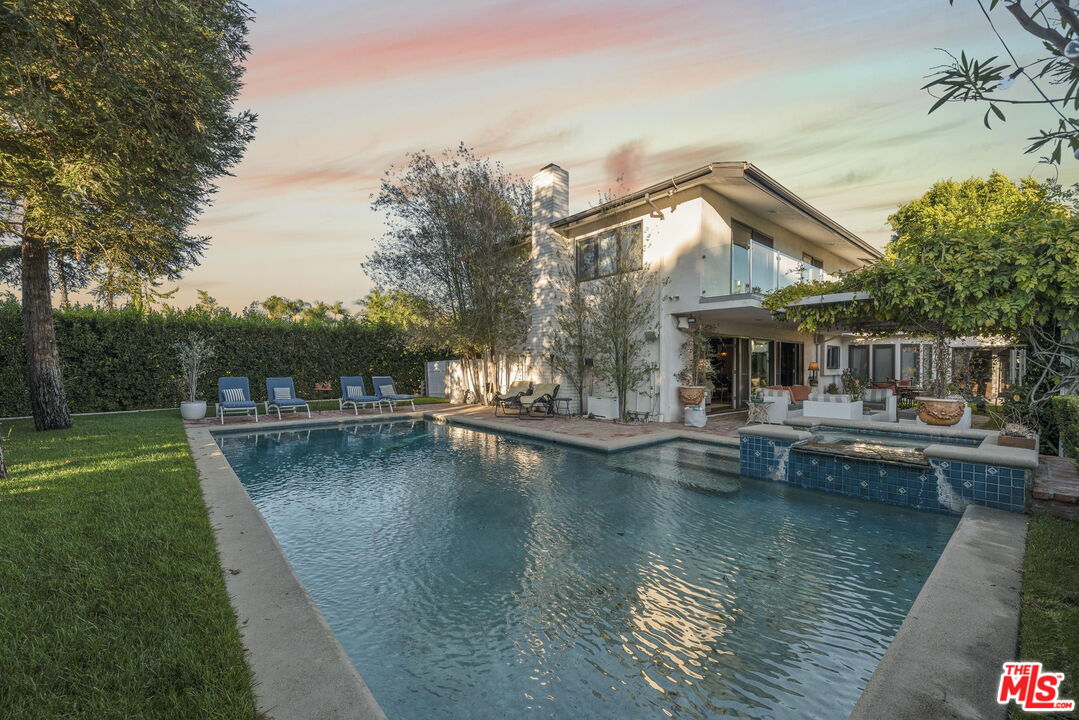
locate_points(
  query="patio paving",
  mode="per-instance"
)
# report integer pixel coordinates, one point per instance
(1056, 488)
(721, 425)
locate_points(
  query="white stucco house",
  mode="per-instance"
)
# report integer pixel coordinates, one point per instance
(719, 236)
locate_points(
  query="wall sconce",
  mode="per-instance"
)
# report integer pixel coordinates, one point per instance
(685, 321)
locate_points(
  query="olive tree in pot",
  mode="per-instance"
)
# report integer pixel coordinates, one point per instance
(193, 353)
(697, 373)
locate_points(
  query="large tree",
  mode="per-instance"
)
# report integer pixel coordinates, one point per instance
(974, 258)
(457, 238)
(1044, 72)
(117, 116)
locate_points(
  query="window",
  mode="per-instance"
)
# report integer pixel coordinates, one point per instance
(760, 363)
(910, 363)
(812, 261)
(858, 360)
(883, 363)
(612, 251)
(831, 361)
(747, 243)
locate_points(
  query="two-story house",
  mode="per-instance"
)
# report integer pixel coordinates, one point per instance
(719, 237)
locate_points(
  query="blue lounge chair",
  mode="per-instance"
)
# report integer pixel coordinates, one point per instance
(281, 395)
(354, 393)
(385, 389)
(234, 397)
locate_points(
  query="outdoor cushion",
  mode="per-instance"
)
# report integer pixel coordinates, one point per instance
(237, 403)
(799, 393)
(288, 402)
(354, 392)
(880, 395)
(234, 395)
(776, 391)
(825, 397)
(282, 393)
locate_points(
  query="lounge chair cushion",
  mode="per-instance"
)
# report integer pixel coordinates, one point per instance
(233, 404)
(234, 395)
(354, 392)
(288, 402)
(282, 393)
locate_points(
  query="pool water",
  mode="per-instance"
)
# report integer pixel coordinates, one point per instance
(474, 575)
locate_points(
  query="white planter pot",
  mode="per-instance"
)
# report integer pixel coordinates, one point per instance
(193, 410)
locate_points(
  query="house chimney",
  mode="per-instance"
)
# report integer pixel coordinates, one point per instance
(550, 202)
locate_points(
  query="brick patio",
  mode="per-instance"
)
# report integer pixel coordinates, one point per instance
(722, 425)
(1056, 488)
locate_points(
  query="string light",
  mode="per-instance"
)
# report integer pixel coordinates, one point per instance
(1071, 50)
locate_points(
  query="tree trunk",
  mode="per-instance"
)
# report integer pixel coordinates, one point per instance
(47, 402)
(3, 470)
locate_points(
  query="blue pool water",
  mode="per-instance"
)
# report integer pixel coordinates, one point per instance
(473, 575)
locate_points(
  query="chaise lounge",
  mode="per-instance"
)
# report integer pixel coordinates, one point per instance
(281, 395)
(516, 390)
(234, 398)
(386, 390)
(354, 393)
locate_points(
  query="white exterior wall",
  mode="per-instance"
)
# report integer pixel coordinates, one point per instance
(684, 241)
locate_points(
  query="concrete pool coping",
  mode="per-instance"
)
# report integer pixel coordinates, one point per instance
(946, 655)
(986, 452)
(300, 669)
(946, 659)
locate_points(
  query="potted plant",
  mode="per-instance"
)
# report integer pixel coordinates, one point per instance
(1017, 430)
(697, 372)
(832, 389)
(939, 407)
(192, 354)
(853, 385)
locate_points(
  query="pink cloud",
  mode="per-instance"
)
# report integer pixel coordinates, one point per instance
(514, 32)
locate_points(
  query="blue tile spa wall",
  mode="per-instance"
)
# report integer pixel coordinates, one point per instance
(762, 457)
(941, 487)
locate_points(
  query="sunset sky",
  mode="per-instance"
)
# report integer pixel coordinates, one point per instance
(823, 96)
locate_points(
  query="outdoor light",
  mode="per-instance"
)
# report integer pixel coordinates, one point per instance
(814, 367)
(1071, 50)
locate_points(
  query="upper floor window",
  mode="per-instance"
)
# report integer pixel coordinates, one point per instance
(612, 251)
(743, 233)
(812, 261)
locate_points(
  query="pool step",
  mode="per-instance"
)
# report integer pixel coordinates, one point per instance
(690, 469)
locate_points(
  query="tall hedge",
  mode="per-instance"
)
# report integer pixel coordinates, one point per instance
(1066, 414)
(122, 360)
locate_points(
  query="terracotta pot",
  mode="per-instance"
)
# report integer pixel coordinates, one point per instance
(938, 411)
(691, 394)
(1016, 442)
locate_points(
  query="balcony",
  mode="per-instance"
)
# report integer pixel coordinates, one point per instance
(761, 269)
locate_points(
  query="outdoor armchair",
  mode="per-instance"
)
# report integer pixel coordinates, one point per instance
(354, 393)
(281, 395)
(387, 390)
(234, 397)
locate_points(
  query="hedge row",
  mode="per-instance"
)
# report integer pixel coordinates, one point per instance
(1066, 414)
(126, 361)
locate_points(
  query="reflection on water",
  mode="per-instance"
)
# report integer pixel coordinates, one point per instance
(470, 575)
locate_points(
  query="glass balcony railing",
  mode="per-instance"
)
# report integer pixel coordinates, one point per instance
(760, 269)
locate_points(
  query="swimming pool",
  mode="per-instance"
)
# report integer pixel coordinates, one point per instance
(473, 575)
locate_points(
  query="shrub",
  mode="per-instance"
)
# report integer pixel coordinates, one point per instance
(1066, 413)
(123, 360)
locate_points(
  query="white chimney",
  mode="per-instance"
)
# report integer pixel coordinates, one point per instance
(550, 202)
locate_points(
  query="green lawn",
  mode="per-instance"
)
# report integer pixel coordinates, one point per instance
(1049, 624)
(112, 603)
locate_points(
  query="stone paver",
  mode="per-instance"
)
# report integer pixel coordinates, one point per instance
(721, 425)
(1056, 479)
